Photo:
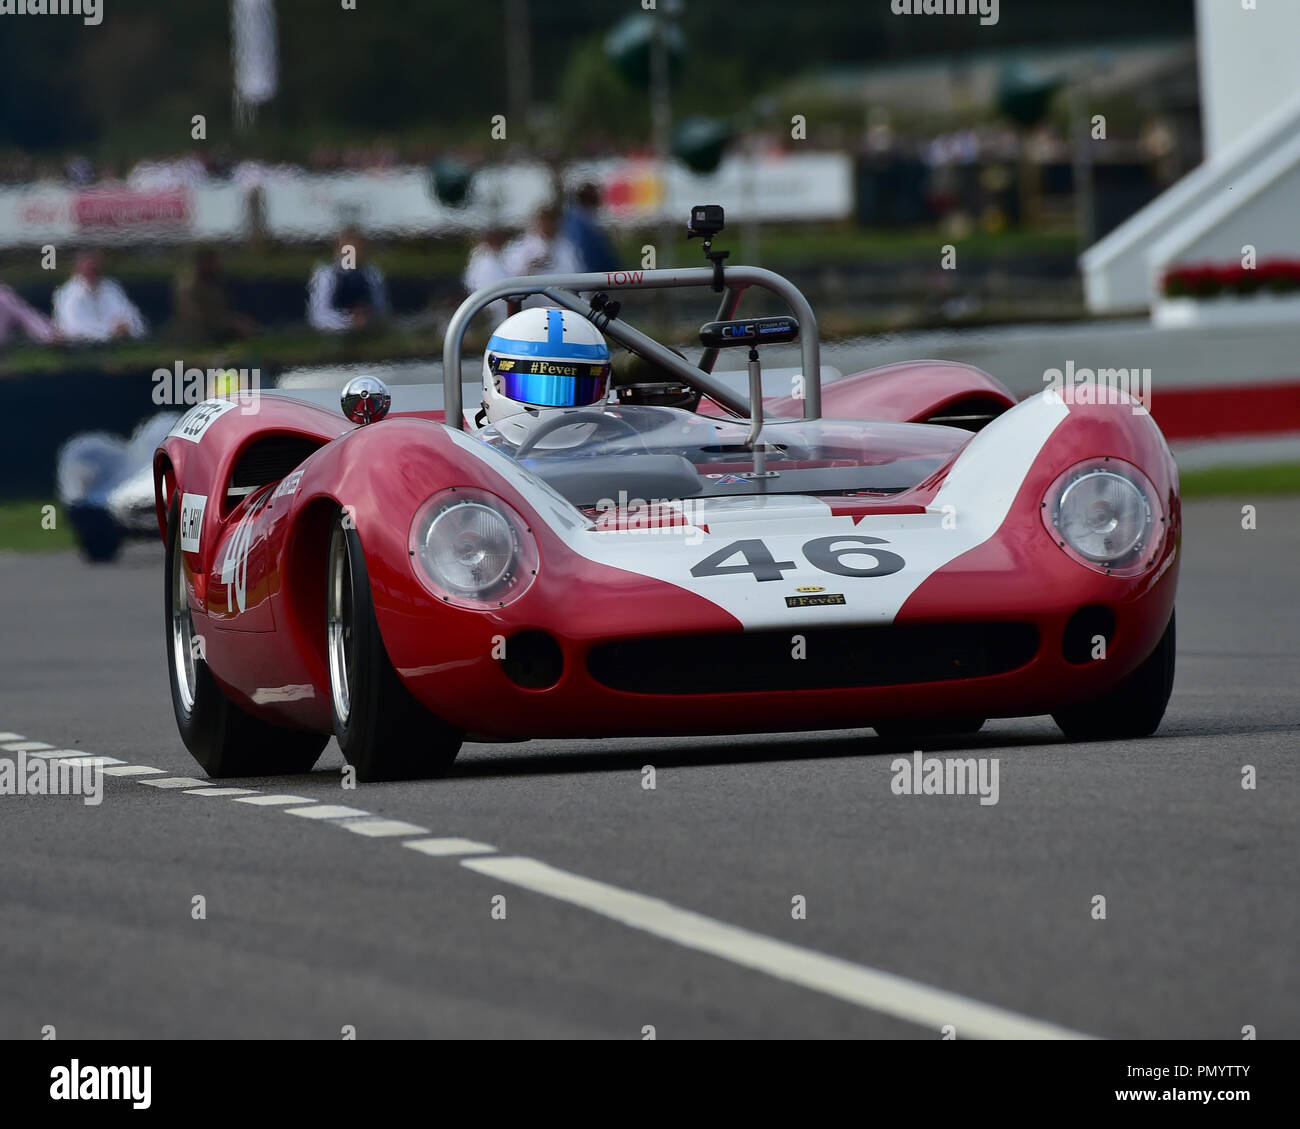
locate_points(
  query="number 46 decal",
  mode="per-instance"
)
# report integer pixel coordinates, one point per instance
(826, 553)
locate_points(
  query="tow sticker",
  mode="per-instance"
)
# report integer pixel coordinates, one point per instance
(192, 507)
(194, 423)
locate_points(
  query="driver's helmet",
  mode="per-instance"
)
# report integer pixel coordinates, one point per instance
(543, 358)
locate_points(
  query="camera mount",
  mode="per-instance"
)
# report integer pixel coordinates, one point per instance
(707, 220)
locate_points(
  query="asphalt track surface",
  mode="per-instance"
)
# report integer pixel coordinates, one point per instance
(678, 912)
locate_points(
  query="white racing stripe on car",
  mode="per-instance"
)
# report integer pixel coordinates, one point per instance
(866, 987)
(980, 489)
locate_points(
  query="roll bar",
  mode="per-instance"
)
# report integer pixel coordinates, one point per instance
(562, 290)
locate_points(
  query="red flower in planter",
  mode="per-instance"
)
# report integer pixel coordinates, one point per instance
(1279, 275)
(1207, 280)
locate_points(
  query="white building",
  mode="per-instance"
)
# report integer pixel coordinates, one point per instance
(1247, 191)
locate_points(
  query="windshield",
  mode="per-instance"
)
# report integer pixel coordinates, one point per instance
(657, 452)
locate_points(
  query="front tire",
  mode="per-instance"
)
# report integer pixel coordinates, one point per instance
(382, 731)
(1134, 708)
(224, 739)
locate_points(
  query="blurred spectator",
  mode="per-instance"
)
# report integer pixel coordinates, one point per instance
(89, 307)
(17, 314)
(583, 230)
(80, 171)
(542, 249)
(160, 174)
(201, 302)
(485, 267)
(348, 294)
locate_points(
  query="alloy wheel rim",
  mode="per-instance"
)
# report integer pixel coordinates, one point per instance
(339, 625)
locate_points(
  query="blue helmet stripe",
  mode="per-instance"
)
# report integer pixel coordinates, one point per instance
(559, 352)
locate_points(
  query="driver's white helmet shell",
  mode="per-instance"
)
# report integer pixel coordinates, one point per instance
(539, 359)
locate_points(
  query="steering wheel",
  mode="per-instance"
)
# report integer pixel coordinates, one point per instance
(566, 419)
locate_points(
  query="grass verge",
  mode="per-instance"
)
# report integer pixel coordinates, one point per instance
(23, 528)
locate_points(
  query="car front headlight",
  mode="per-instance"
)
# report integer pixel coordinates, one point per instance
(472, 549)
(1105, 514)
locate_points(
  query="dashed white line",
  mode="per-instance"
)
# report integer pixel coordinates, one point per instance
(383, 828)
(177, 782)
(326, 811)
(446, 848)
(879, 991)
(832, 976)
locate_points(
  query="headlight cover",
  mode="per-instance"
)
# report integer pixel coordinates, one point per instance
(472, 550)
(1105, 514)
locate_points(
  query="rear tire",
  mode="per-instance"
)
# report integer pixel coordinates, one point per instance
(383, 732)
(1134, 708)
(224, 739)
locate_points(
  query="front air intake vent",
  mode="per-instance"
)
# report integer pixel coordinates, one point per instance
(835, 658)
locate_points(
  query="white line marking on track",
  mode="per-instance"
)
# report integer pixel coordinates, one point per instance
(884, 992)
(443, 848)
(326, 811)
(58, 754)
(177, 782)
(866, 987)
(381, 828)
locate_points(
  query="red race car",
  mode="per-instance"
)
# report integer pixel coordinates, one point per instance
(638, 545)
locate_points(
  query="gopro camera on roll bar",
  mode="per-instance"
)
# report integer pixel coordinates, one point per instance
(706, 221)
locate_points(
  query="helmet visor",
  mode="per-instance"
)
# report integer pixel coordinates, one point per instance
(550, 384)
